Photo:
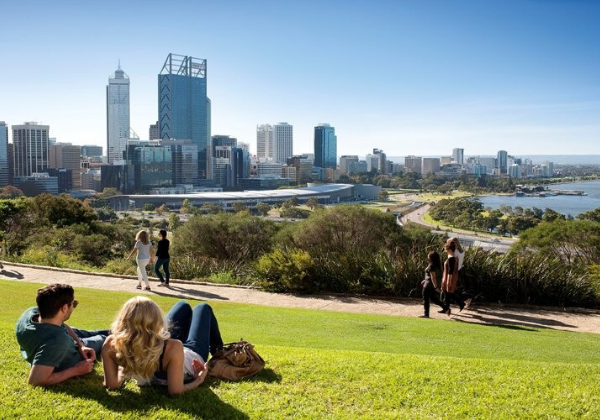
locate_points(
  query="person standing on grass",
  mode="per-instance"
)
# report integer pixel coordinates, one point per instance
(152, 349)
(431, 284)
(55, 351)
(143, 247)
(162, 258)
(450, 280)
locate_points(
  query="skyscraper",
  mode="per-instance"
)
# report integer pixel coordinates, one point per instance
(183, 104)
(30, 148)
(325, 146)
(283, 142)
(4, 167)
(67, 156)
(264, 141)
(502, 162)
(458, 156)
(117, 115)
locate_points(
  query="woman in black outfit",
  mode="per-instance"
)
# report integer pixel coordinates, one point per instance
(162, 258)
(431, 284)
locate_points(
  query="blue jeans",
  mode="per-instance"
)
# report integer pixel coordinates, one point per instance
(196, 328)
(164, 262)
(92, 339)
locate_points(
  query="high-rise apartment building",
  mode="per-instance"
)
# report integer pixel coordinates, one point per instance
(458, 156)
(325, 146)
(30, 148)
(346, 161)
(264, 141)
(413, 164)
(91, 151)
(4, 166)
(67, 156)
(183, 104)
(153, 132)
(430, 166)
(117, 115)
(283, 142)
(502, 162)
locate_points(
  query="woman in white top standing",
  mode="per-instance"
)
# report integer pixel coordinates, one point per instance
(459, 254)
(143, 246)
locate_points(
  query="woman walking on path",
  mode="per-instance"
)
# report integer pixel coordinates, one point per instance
(162, 258)
(152, 349)
(143, 246)
(450, 280)
(460, 255)
(432, 282)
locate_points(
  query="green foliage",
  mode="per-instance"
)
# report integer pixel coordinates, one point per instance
(263, 209)
(239, 207)
(593, 215)
(294, 212)
(59, 211)
(235, 237)
(286, 270)
(106, 214)
(174, 221)
(149, 207)
(212, 208)
(571, 241)
(313, 203)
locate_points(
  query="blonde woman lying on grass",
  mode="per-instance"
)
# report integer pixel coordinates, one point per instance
(152, 349)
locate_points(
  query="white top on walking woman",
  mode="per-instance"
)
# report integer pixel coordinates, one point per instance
(143, 247)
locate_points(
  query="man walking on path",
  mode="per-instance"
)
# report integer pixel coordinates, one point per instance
(55, 351)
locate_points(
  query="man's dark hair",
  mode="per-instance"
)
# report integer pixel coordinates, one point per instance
(51, 298)
(163, 233)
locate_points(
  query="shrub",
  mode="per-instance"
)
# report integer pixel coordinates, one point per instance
(286, 270)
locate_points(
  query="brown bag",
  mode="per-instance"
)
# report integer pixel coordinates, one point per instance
(236, 361)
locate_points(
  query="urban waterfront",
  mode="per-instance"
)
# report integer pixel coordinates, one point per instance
(565, 204)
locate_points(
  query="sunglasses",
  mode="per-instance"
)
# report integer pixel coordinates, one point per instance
(74, 304)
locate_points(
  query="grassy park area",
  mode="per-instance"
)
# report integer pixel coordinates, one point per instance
(326, 364)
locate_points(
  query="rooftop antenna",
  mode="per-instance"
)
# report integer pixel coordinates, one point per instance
(119, 64)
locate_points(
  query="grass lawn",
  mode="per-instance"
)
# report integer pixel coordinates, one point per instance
(327, 364)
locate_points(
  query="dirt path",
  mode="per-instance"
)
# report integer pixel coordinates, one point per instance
(524, 317)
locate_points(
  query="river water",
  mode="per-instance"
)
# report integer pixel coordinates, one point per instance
(565, 204)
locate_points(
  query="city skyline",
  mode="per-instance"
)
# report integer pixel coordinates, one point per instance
(410, 78)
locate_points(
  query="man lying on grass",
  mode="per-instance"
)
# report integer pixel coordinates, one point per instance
(55, 351)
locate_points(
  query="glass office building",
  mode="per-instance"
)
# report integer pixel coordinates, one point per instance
(117, 115)
(325, 146)
(153, 167)
(183, 104)
(4, 166)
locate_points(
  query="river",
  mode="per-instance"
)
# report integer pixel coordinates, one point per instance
(565, 204)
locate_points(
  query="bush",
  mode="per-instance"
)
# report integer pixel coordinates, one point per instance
(286, 270)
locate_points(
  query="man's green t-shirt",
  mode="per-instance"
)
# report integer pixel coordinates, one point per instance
(45, 344)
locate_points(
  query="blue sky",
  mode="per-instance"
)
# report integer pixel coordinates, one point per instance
(407, 76)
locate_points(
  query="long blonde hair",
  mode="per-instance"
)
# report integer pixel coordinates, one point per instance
(139, 333)
(142, 236)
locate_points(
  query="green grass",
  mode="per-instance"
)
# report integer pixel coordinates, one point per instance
(328, 364)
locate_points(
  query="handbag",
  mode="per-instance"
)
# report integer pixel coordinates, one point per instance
(235, 361)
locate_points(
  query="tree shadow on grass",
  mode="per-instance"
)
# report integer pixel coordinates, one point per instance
(11, 274)
(182, 292)
(524, 319)
(144, 402)
(517, 322)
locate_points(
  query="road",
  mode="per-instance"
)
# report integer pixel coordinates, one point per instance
(466, 238)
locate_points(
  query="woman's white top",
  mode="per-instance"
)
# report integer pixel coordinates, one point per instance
(461, 258)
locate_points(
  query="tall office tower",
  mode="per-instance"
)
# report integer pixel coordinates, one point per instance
(372, 162)
(413, 164)
(325, 146)
(183, 104)
(383, 163)
(154, 132)
(67, 156)
(30, 148)
(117, 115)
(4, 166)
(264, 141)
(430, 166)
(502, 162)
(345, 162)
(91, 151)
(216, 141)
(458, 156)
(283, 142)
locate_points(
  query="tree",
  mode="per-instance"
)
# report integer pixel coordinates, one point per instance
(174, 221)
(109, 192)
(186, 207)
(383, 195)
(162, 209)
(312, 203)
(551, 215)
(149, 207)
(239, 206)
(10, 192)
(263, 209)
(212, 208)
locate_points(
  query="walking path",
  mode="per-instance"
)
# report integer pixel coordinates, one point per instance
(524, 317)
